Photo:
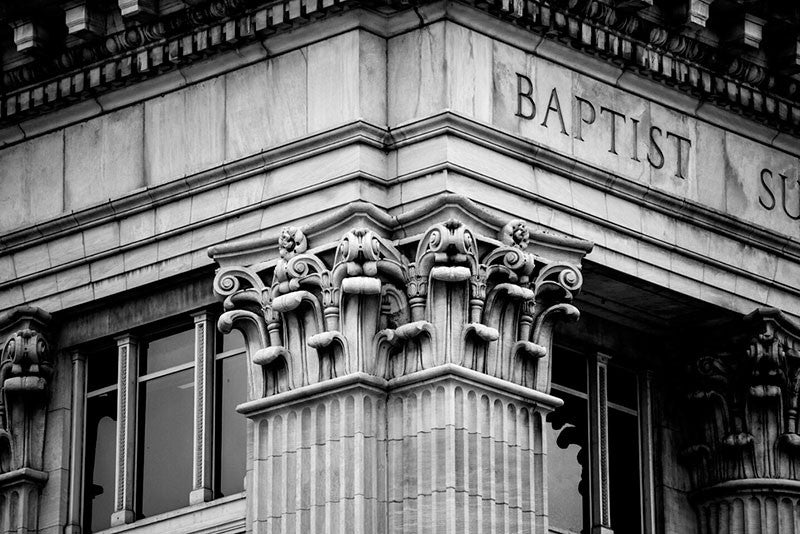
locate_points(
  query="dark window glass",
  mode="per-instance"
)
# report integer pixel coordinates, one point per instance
(231, 428)
(232, 341)
(623, 432)
(622, 388)
(100, 460)
(165, 447)
(168, 352)
(569, 369)
(101, 370)
(568, 464)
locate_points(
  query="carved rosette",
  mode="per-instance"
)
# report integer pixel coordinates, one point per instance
(26, 368)
(366, 307)
(743, 413)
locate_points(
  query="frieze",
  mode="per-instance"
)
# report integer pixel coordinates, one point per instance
(643, 141)
(651, 48)
(661, 146)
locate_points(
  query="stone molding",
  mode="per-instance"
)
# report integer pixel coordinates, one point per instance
(26, 368)
(365, 307)
(744, 456)
(749, 505)
(656, 50)
(370, 135)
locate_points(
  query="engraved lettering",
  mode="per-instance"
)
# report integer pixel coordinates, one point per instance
(554, 105)
(581, 119)
(525, 96)
(614, 115)
(765, 185)
(679, 150)
(654, 146)
(783, 197)
(635, 125)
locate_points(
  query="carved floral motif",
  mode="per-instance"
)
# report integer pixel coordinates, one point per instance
(373, 310)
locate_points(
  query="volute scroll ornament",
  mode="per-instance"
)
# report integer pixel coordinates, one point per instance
(26, 370)
(743, 420)
(461, 299)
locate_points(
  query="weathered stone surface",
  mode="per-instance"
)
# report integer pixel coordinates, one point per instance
(103, 158)
(23, 200)
(184, 131)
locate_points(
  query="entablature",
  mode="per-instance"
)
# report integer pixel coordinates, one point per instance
(743, 57)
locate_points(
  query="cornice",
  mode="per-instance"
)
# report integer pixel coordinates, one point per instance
(446, 123)
(650, 48)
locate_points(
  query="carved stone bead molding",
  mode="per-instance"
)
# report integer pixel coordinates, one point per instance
(744, 458)
(25, 372)
(389, 309)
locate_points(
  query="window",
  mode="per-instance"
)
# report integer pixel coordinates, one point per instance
(160, 427)
(598, 475)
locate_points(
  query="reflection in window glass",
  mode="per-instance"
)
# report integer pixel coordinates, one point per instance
(101, 370)
(165, 461)
(231, 427)
(168, 352)
(622, 387)
(100, 461)
(570, 369)
(567, 464)
(623, 448)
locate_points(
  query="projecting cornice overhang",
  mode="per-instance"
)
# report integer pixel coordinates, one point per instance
(328, 228)
(735, 62)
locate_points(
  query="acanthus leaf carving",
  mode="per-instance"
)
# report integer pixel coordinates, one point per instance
(461, 300)
(744, 404)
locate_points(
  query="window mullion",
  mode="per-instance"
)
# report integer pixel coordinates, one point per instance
(77, 443)
(124, 492)
(646, 437)
(204, 351)
(598, 429)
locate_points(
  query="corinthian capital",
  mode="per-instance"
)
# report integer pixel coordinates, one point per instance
(387, 308)
(743, 413)
(25, 369)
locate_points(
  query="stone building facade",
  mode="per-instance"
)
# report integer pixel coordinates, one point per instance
(334, 266)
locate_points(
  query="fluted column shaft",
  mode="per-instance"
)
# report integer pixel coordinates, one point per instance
(445, 450)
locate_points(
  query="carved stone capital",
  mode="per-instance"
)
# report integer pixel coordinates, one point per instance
(386, 308)
(743, 415)
(26, 368)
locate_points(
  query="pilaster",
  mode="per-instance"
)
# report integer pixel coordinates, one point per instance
(404, 383)
(203, 418)
(124, 490)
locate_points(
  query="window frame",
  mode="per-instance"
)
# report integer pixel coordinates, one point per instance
(130, 349)
(599, 471)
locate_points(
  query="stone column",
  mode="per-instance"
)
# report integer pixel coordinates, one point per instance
(25, 374)
(744, 456)
(401, 395)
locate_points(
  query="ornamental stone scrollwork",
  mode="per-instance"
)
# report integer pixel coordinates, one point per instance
(744, 455)
(26, 368)
(373, 358)
(368, 306)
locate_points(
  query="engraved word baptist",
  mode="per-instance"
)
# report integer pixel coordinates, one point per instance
(663, 147)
